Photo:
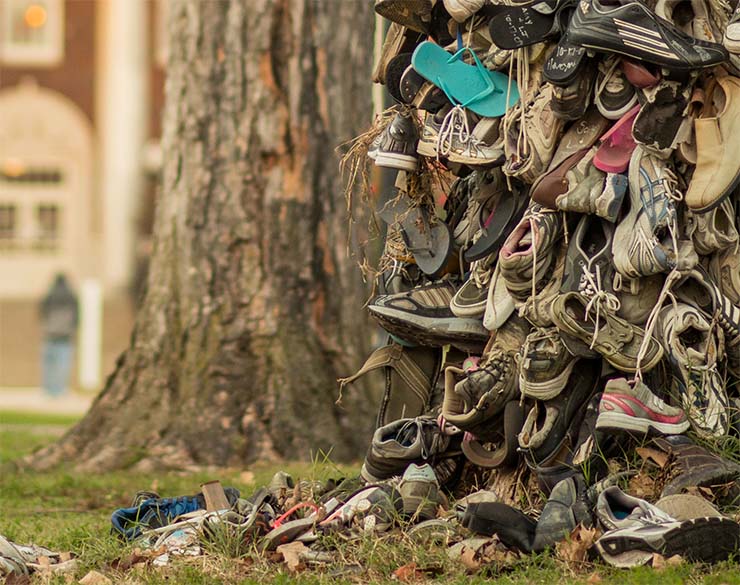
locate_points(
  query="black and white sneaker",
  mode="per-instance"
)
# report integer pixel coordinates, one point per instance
(632, 29)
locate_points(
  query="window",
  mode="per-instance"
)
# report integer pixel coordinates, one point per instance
(47, 221)
(32, 32)
(8, 219)
(30, 175)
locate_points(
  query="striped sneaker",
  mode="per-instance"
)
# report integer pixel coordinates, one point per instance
(631, 406)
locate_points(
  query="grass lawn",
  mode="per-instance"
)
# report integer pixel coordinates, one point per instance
(70, 512)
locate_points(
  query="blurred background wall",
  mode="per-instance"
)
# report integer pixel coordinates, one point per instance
(81, 92)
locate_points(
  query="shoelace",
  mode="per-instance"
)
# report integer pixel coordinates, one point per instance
(454, 125)
(600, 298)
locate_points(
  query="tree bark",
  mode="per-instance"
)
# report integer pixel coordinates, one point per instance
(253, 307)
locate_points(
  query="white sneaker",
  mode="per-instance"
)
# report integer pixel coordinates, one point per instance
(461, 10)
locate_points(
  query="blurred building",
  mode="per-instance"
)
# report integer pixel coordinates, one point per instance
(81, 94)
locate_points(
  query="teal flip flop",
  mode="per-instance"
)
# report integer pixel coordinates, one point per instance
(470, 86)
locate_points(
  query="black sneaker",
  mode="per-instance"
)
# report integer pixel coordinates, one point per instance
(615, 96)
(396, 147)
(632, 29)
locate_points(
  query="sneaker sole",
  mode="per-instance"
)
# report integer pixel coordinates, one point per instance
(391, 160)
(617, 421)
(701, 539)
(427, 149)
(432, 331)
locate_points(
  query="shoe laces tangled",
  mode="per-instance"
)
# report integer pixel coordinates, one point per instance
(610, 83)
(600, 299)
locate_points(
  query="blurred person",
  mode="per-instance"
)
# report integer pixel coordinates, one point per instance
(59, 317)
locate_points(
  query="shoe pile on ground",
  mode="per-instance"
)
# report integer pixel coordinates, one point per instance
(560, 280)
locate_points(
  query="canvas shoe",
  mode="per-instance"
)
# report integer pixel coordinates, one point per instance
(396, 148)
(692, 347)
(615, 339)
(642, 242)
(714, 230)
(631, 406)
(545, 365)
(633, 30)
(423, 316)
(470, 299)
(402, 442)
(705, 540)
(536, 236)
(717, 172)
(615, 96)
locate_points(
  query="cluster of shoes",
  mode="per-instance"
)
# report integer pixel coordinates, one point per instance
(562, 261)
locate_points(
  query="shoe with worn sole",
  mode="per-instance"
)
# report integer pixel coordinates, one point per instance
(705, 540)
(546, 364)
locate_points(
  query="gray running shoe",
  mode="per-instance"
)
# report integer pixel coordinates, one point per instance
(692, 346)
(705, 540)
(470, 299)
(642, 240)
(616, 509)
(714, 230)
(420, 492)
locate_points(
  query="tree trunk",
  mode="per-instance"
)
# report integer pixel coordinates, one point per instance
(253, 306)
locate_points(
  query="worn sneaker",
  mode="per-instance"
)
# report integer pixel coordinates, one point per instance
(615, 96)
(702, 539)
(724, 269)
(566, 508)
(631, 406)
(529, 150)
(396, 148)
(615, 339)
(692, 346)
(414, 14)
(571, 101)
(642, 240)
(546, 364)
(632, 29)
(588, 263)
(499, 303)
(536, 236)
(713, 231)
(616, 509)
(423, 316)
(470, 299)
(408, 440)
(420, 492)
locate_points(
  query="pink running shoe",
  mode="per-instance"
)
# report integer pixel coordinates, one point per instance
(631, 406)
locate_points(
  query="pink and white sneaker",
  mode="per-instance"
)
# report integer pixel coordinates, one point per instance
(629, 405)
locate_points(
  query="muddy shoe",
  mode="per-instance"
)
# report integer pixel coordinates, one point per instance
(694, 466)
(566, 508)
(546, 364)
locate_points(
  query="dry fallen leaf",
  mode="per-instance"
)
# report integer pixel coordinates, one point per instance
(470, 559)
(574, 549)
(642, 486)
(408, 573)
(593, 579)
(659, 562)
(95, 578)
(292, 555)
(649, 454)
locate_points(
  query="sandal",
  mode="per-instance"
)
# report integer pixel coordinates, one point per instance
(617, 145)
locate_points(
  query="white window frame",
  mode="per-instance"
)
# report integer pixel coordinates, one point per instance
(48, 54)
